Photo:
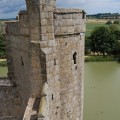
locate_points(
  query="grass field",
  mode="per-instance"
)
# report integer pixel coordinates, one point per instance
(3, 71)
(2, 60)
(90, 27)
(92, 23)
(3, 67)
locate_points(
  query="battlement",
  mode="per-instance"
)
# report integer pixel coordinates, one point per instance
(64, 10)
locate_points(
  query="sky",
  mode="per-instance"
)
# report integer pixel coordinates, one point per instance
(10, 8)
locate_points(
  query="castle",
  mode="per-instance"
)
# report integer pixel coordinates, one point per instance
(45, 54)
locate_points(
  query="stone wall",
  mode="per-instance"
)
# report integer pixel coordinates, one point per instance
(69, 21)
(10, 103)
(69, 34)
(18, 57)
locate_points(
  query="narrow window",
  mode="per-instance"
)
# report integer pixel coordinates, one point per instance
(66, 43)
(75, 58)
(76, 67)
(54, 61)
(22, 63)
(52, 97)
(55, 15)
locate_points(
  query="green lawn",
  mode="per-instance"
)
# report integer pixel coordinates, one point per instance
(3, 67)
(3, 71)
(90, 27)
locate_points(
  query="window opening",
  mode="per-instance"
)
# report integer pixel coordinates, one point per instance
(52, 97)
(75, 58)
(22, 63)
(54, 61)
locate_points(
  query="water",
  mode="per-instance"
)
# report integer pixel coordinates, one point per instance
(102, 91)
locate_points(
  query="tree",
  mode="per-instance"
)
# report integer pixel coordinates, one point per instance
(100, 40)
(105, 40)
(2, 47)
(116, 22)
(116, 43)
(109, 22)
(113, 27)
(119, 59)
(87, 45)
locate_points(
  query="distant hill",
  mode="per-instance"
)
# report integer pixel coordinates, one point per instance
(104, 16)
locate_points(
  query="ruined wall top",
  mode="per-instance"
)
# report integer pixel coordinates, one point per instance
(64, 10)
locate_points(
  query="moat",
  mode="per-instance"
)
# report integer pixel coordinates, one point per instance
(102, 91)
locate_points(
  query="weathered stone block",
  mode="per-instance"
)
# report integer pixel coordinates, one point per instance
(24, 31)
(49, 29)
(67, 16)
(50, 36)
(51, 43)
(43, 44)
(43, 29)
(49, 15)
(43, 22)
(70, 29)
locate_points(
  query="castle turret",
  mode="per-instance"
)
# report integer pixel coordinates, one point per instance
(47, 52)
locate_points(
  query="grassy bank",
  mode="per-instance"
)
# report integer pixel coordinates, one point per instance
(100, 58)
(3, 71)
(3, 67)
(3, 63)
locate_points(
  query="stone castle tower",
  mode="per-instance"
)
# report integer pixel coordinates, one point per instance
(45, 52)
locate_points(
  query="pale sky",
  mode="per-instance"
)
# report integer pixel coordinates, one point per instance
(10, 8)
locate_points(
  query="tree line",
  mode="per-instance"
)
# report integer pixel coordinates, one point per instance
(2, 45)
(104, 40)
(104, 16)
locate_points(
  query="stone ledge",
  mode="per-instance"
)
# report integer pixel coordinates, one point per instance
(12, 21)
(5, 83)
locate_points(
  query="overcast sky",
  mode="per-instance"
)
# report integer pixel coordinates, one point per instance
(10, 8)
